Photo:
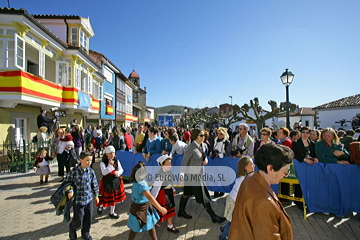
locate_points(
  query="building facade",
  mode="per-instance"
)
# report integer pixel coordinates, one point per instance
(45, 64)
(339, 113)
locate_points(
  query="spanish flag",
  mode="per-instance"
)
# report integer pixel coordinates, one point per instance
(109, 110)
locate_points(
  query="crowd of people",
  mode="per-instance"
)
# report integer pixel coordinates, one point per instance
(272, 150)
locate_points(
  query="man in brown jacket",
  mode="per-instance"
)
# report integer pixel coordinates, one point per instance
(258, 213)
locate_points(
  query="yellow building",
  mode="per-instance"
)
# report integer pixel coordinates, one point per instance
(45, 64)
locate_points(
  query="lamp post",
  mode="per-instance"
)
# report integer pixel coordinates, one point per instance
(185, 111)
(286, 79)
(231, 99)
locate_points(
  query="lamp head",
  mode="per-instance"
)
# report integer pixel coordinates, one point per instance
(287, 77)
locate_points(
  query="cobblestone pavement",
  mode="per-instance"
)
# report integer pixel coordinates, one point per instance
(26, 213)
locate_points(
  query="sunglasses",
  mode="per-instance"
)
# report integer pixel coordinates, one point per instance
(265, 134)
(219, 133)
(201, 135)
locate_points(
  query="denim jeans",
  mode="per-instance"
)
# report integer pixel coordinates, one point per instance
(225, 233)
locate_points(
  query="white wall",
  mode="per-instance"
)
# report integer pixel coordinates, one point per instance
(152, 113)
(58, 27)
(327, 118)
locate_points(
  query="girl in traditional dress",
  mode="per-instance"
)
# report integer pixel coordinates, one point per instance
(142, 216)
(245, 166)
(111, 190)
(164, 192)
(41, 166)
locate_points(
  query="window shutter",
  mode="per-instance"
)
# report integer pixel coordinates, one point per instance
(41, 63)
(19, 52)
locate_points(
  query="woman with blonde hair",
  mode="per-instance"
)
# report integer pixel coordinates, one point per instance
(42, 138)
(328, 150)
(221, 148)
(222, 145)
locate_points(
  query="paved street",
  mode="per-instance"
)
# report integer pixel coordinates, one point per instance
(26, 213)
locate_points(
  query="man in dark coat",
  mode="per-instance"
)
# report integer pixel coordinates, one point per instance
(42, 120)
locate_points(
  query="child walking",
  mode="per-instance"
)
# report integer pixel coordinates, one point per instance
(164, 192)
(245, 166)
(90, 148)
(84, 178)
(98, 143)
(112, 188)
(41, 166)
(142, 216)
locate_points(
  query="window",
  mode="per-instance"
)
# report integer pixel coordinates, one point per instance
(74, 36)
(62, 73)
(108, 73)
(96, 90)
(32, 68)
(19, 52)
(84, 82)
(120, 105)
(83, 40)
(89, 84)
(101, 92)
(307, 123)
(108, 102)
(77, 78)
(41, 63)
(69, 78)
(20, 129)
(7, 53)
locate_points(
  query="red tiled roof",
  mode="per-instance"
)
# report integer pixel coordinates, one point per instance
(347, 102)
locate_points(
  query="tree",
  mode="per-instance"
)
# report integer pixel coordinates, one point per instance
(224, 119)
(262, 115)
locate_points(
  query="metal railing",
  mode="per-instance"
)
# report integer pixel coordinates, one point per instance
(20, 156)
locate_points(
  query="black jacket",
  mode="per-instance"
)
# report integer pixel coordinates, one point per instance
(119, 143)
(300, 151)
(42, 121)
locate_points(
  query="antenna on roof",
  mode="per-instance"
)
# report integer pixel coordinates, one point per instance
(8, 3)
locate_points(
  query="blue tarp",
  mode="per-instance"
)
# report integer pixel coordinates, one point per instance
(332, 188)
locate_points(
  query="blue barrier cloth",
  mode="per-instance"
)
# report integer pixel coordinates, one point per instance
(332, 188)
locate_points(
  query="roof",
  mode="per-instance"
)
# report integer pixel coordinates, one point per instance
(22, 11)
(104, 59)
(150, 107)
(134, 74)
(56, 16)
(343, 103)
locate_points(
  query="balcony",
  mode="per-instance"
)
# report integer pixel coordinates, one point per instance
(21, 87)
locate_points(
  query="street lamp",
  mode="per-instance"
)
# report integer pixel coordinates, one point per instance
(286, 79)
(185, 111)
(231, 99)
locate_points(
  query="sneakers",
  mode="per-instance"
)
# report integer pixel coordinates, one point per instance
(99, 210)
(173, 230)
(115, 215)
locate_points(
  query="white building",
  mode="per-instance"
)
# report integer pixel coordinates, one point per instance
(305, 116)
(339, 113)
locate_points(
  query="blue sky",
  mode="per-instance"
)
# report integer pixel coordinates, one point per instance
(198, 52)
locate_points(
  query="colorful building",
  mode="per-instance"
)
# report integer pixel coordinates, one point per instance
(45, 64)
